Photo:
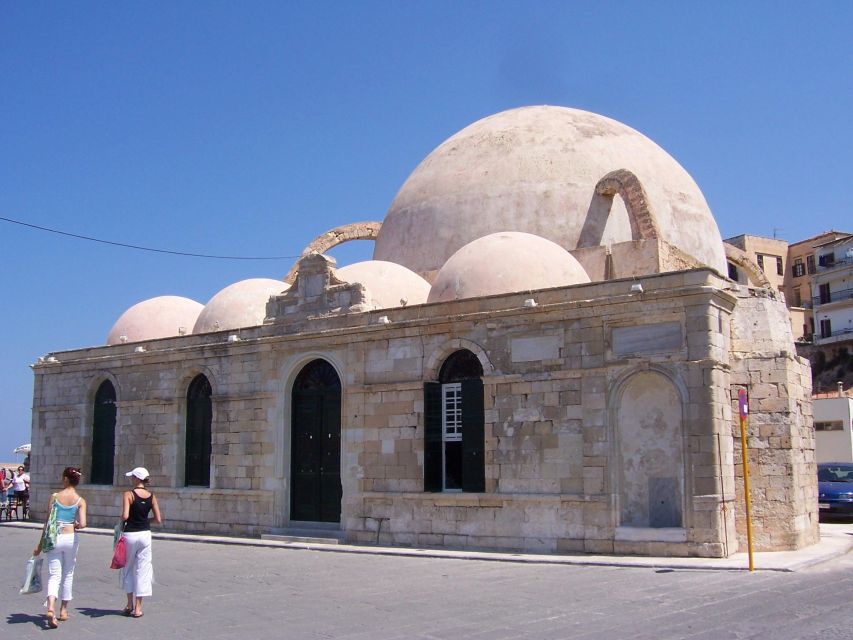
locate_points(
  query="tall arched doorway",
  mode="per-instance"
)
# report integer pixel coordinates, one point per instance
(315, 444)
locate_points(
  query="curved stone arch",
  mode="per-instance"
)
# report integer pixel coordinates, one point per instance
(617, 385)
(334, 237)
(185, 378)
(99, 378)
(628, 186)
(741, 258)
(616, 390)
(439, 355)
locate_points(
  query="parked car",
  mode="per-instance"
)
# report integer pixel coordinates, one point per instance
(835, 488)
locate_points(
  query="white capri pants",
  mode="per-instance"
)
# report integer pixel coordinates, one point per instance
(138, 573)
(60, 565)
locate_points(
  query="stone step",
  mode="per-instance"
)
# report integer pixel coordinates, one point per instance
(319, 533)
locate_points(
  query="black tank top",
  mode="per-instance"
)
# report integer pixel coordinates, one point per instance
(137, 519)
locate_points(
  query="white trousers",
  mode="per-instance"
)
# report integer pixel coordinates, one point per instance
(138, 573)
(60, 565)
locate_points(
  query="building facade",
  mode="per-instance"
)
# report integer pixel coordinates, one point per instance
(832, 292)
(833, 423)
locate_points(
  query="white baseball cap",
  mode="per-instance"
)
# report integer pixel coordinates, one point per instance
(138, 472)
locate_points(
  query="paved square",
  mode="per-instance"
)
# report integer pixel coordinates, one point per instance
(219, 591)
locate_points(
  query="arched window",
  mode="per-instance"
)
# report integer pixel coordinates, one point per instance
(199, 417)
(104, 434)
(454, 426)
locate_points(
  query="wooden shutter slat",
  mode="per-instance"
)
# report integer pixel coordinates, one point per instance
(432, 437)
(473, 437)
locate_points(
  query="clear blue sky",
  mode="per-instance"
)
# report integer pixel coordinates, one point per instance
(250, 128)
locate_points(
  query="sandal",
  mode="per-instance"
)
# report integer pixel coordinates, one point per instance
(127, 611)
(51, 620)
(136, 615)
(63, 616)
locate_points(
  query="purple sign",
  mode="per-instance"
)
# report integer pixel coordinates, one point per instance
(742, 403)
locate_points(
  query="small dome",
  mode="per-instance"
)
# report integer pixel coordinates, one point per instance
(505, 262)
(161, 317)
(388, 284)
(242, 304)
(535, 169)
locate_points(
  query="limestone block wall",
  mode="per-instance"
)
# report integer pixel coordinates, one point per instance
(555, 378)
(780, 435)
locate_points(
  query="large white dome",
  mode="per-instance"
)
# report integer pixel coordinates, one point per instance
(535, 169)
(242, 304)
(160, 317)
(505, 262)
(388, 284)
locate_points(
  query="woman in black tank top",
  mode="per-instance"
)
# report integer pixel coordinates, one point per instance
(136, 576)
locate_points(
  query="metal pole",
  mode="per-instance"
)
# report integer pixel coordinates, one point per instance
(744, 412)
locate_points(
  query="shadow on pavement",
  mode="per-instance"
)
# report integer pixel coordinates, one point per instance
(23, 618)
(91, 612)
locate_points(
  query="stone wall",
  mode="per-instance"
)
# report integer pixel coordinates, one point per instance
(780, 434)
(554, 379)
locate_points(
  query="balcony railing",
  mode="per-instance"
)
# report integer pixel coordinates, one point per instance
(833, 296)
(837, 335)
(823, 265)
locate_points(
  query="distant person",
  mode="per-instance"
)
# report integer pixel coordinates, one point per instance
(137, 574)
(70, 517)
(5, 492)
(21, 485)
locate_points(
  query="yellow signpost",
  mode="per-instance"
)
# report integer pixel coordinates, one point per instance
(743, 410)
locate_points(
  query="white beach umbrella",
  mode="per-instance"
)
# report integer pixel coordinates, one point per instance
(23, 449)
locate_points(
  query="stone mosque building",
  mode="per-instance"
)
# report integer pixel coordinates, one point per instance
(543, 355)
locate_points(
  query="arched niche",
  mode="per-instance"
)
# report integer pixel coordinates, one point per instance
(651, 452)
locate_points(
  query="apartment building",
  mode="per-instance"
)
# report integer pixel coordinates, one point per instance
(832, 292)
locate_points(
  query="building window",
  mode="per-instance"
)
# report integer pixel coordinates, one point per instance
(454, 421)
(810, 267)
(799, 269)
(829, 425)
(199, 418)
(824, 294)
(826, 328)
(732, 272)
(104, 434)
(760, 260)
(780, 268)
(826, 260)
(796, 297)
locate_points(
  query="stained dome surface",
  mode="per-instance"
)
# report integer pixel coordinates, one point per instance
(388, 284)
(505, 262)
(242, 304)
(160, 317)
(535, 169)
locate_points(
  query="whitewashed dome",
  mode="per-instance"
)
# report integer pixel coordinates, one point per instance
(239, 305)
(535, 169)
(388, 284)
(160, 317)
(505, 262)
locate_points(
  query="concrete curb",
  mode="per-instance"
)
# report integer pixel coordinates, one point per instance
(836, 541)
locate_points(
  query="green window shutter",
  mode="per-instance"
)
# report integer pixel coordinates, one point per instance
(473, 437)
(432, 436)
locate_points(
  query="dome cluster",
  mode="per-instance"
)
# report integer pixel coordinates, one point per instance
(496, 208)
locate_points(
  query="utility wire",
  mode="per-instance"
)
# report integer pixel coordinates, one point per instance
(141, 248)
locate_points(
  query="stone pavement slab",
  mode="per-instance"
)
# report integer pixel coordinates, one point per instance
(218, 591)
